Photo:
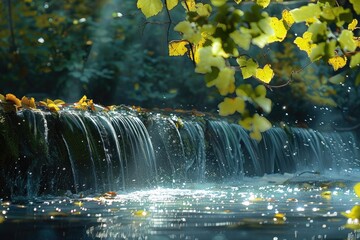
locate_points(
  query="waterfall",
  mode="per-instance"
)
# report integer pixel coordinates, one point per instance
(83, 151)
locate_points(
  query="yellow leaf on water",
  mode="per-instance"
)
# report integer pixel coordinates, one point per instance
(79, 203)
(353, 24)
(150, 7)
(357, 189)
(337, 62)
(265, 74)
(326, 195)
(353, 214)
(141, 213)
(178, 47)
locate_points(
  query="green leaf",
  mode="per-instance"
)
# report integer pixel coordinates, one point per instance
(318, 31)
(264, 103)
(303, 13)
(356, 5)
(346, 40)
(218, 3)
(355, 60)
(150, 7)
(261, 123)
(318, 52)
(225, 82)
(243, 40)
(248, 66)
(357, 80)
(210, 76)
(337, 79)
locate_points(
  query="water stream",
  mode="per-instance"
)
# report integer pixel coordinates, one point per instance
(126, 174)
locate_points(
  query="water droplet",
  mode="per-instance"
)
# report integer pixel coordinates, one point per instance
(41, 40)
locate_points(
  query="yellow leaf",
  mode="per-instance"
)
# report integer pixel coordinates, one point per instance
(357, 189)
(170, 4)
(59, 102)
(231, 105)
(83, 99)
(353, 214)
(12, 98)
(238, 1)
(263, 3)
(353, 225)
(256, 135)
(150, 7)
(141, 213)
(53, 107)
(28, 102)
(326, 195)
(246, 123)
(265, 75)
(305, 43)
(2, 98)
(353, 24)
(287, 18)
(248, 66)
(279, 30)
(189, 5)
(279, 218)
(178, 47)
(337, 62)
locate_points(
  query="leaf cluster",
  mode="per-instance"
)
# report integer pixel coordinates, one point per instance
(218, 36)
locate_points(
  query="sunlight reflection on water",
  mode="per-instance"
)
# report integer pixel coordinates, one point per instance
(258, 208)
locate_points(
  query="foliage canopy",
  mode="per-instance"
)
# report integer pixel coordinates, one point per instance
(217, 36)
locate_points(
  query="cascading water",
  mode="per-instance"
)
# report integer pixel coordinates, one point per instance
(82, 151)
(128, 174)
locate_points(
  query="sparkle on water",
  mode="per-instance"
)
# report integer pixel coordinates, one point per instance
(270, 207)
